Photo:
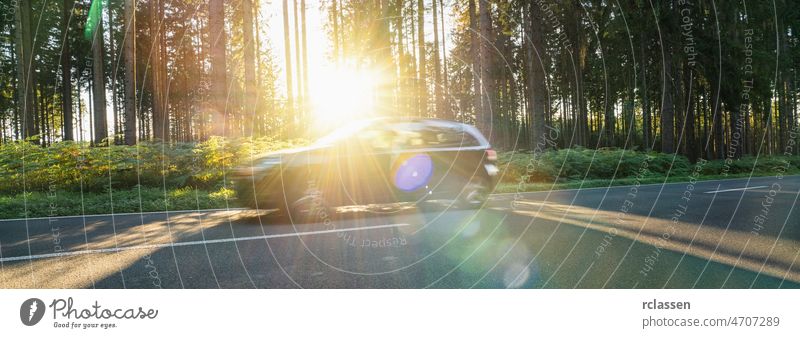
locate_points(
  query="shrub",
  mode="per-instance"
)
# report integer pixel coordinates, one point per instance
(67, 203)
(581, 163)
(764, 165)
(587, 164)
(70, 166)
(77, 167)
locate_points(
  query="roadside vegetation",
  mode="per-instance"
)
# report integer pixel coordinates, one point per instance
(587, 168)
(69, 178)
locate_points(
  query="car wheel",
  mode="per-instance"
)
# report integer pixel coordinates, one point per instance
(307, 206)
(475, 194)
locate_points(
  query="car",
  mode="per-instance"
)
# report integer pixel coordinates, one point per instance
(381, 160)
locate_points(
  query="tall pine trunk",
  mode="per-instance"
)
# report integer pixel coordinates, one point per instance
(250, 93)
(537, 97)
(304, 42)
(99, 84)
(219, 78)
(422, 78)
(158, 72)
(130, 72)
(114, 67)
(646, 134)
(287, 47)
(487, 116)
(667, 103)
(334, 17)
(26, 96)
(475, 53)
(437, 77)
(445, 89)
(66, 71)
(298, 67)
(689, 134)
(578, 60)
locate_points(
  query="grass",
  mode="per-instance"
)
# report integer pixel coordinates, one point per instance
(70, 203)
(587, 168)
(72, 166)
(70, 178)
(73, 179)
(506, 187)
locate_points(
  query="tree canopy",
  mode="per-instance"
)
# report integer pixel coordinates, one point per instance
(703, 79)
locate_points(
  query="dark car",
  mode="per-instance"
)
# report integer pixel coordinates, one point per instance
(375, 161)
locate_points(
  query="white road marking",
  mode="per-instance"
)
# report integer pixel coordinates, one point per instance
(736, 189)
(190, 243)
(125, 214)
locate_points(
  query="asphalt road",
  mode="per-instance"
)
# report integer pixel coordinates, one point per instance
(682, 235)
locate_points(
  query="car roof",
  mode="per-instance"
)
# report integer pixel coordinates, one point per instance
(438, 122)
(360, 124)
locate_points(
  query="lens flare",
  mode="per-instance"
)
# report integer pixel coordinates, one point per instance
(411, 172)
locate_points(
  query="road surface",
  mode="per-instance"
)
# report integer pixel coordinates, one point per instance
(736, 233)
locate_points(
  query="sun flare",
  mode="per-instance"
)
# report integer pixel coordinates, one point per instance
(342, 95)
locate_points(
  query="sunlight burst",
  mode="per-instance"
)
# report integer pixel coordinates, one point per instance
(342, 95)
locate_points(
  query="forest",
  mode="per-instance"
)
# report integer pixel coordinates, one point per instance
(146, 105)
(702, 79)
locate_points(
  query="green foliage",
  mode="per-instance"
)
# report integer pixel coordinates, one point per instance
(69, 203)
(69, 166)
(580, 164)
(72, 179)
(760, 166)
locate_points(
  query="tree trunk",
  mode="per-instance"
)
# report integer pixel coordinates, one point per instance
(413, 83)
(299, 67)
(335, 18)
(422, 79)
(80, 106)
(437, 77)
(249, 56)
(99, 84)
(537, 86)
(646, 135)
(219, 79)
(383, 59)
(477, 103)
(578, 56)
(158, 74)
(66, 71)
(25, 70)
(304, 43)
(487, 116)
(689, 135)
(287, 47)
(667, 104)
(130, 72)
(679, 113)
(445, 89)
(114, 66)
(716, 122)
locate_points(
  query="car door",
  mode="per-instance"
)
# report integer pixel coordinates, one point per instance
(363, 170)
(436, 154)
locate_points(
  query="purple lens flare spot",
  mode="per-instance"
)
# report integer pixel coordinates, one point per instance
(413, 172)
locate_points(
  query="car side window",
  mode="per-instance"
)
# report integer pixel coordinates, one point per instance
(453, 137)
(419, 135)
(372, 140)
